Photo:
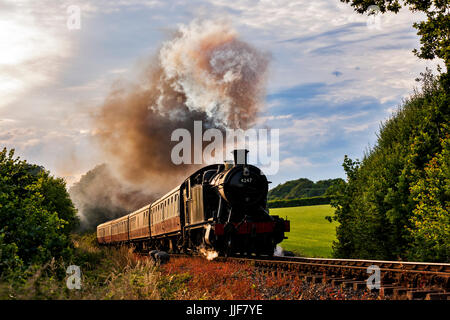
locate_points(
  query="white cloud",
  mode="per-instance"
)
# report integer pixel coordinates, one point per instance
(319, 129)
(357, 127)
(295, 162)
(263, 120)
(33, 46)
(311, 39)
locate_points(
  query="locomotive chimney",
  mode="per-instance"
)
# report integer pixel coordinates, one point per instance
(240, 156)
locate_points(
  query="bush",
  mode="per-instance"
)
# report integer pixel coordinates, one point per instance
(391, 196)
(36, 215)
(430, 222)
(299, 202)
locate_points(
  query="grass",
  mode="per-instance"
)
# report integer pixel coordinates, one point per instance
(107, 273)
(311, 235)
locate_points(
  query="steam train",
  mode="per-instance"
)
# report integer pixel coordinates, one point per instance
(221, 207)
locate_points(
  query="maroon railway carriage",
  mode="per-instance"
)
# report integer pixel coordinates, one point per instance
(221, 207)
(139, 228)
(104, 233)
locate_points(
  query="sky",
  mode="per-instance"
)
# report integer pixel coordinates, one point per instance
(334, 75)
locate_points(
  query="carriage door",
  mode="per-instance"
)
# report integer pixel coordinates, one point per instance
(187, 202)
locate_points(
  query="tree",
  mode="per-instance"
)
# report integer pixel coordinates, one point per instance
(430, 222)
(395, 201)
(302, 188)
(36, 214)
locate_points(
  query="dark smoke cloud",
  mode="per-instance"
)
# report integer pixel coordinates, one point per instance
(204, 73)
(101, 196)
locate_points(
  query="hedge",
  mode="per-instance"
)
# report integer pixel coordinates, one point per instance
(299, 202)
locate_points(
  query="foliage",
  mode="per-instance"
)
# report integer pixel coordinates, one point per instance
(302, 188)
(430, 222)
(434, 32)
(106, 273)
(299, 202)
(385, 205)
(36, 215)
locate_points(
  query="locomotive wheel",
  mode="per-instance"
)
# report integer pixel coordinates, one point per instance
(272, 245)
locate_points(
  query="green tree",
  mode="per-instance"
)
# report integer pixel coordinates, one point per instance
(384, 197)
(393, 203)
(430, 222)
(302, 188)
(36, 214)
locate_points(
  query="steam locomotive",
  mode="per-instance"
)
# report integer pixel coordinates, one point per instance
(221, 207)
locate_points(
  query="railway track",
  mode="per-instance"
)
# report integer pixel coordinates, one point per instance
(398, 279)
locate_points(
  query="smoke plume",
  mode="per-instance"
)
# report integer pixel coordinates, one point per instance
(205, 72)
(101, 196)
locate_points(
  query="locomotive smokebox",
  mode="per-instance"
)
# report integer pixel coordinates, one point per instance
(243, 185)
(240, 156)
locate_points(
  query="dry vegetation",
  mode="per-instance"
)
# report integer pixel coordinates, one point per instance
(118, 273)
(199, 279)
(107, 273)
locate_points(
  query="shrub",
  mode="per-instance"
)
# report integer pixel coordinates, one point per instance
(36, 215)
(390, 197)
(430, 222)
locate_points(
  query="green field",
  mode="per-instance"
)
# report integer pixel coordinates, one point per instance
(311, 235)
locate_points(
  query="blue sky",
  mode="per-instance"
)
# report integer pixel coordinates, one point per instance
(333, 77)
